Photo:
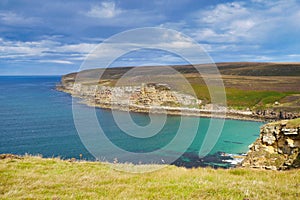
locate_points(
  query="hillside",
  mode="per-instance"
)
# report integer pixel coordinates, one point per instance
(270, 90)
(40, 178)
(229, 68)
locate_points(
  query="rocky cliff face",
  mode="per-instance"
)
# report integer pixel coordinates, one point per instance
(277, 147)
(145, 95)
(155, 96)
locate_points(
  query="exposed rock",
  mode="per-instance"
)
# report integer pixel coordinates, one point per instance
(277, 147)
(268, 138)
(270, 114)
(9, 156)
(147, 95)
(158, 98)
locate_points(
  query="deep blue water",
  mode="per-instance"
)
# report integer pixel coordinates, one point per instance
(37, 119)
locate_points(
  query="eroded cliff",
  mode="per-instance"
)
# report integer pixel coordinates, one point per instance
(269, 100)
(277, 147)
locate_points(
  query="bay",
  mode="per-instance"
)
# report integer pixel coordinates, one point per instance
(37, 119)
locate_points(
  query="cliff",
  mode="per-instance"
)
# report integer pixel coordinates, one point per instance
(154, 97)
(277, 148)
(250, 96)
(144, 96)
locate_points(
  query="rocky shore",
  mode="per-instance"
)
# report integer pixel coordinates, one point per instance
(277, 147)
(151, 97)
(160, 98)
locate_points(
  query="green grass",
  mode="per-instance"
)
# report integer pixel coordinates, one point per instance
(293, 123)
(38, 178)
(238, 98)
(201, 91)
(246, 98)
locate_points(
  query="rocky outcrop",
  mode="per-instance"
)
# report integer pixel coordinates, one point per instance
(149, 95)
(277, 148)
(154, 97)
(271, 114)
(157, 97)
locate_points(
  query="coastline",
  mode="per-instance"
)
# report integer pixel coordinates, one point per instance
(176, 111)
(222, 159)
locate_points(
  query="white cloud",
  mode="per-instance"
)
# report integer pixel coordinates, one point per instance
(229, 22)
(241, 23)
(45, 51)
(105, 10)
(57, 61)
(243, 27)
(82, 48)
(223, 12)
(11, 18)
(111, 15)
(294, 55)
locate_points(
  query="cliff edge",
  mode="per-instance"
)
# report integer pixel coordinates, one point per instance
(277, 148)
(253, 90)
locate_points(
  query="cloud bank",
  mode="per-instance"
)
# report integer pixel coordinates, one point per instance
(60, 34)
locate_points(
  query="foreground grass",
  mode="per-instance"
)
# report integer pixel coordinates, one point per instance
(38, 178)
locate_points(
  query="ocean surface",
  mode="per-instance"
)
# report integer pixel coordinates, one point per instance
(37, 119)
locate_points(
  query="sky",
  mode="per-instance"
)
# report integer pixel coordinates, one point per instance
(54, 37)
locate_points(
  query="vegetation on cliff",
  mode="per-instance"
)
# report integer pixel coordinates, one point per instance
(52, 178)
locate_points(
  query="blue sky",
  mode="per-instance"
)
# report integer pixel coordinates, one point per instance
(54, 37)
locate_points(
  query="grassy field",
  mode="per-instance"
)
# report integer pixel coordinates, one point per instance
(39, 178)
(238, 98)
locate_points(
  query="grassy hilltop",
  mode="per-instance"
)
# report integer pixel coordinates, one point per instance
(40, 178)
(248, 84)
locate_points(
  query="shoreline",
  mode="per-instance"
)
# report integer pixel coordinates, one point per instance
(173, 111)
(203, 114)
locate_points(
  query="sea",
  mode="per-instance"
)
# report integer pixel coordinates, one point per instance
(37, 119)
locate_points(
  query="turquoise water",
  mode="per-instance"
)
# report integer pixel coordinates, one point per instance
(37, 119)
